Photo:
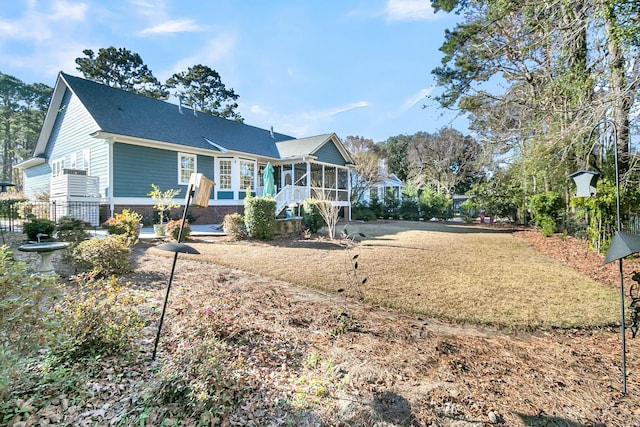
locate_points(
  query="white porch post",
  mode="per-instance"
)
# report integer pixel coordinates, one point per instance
(349, 190)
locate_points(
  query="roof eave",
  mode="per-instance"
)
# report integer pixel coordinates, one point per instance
(29, 163)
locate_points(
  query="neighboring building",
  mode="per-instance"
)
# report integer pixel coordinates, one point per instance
(105, 146)
(457, 200)
(387, 184)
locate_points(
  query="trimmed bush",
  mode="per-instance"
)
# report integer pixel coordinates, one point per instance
(70, 229)
(311, 217)
(126, 223)
(260, 217)
(233, 226)
(172, 229)
(103, 257)
(36, 226)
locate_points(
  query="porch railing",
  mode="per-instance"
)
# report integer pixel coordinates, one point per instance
(70, 185)
(289, 195)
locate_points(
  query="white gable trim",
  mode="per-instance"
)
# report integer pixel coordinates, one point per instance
(55, 106)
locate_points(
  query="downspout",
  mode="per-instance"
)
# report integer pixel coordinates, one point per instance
(112, 208)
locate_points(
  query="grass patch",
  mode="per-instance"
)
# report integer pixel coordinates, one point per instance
(457, 273)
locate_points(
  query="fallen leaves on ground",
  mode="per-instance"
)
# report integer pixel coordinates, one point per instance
(305, 363)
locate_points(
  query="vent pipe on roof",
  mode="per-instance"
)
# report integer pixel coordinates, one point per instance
(180, 105)
(271, 133)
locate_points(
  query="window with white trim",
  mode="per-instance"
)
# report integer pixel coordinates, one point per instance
(373, 193)
(224, 172)
(186, 166)
(86, 157)
(261, 168)
(56, 167)
(247, 174)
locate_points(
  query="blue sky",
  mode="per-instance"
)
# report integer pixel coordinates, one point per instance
(360, 67)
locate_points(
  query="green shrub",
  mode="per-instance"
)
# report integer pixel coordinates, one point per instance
(24, 300)
(391, 204)
(36, 226)
(545, 205)
(547, 225)
(25, 320)
(127, 224)
(377, 207)
(100, 318)
(409, 210)
(172, 229)
(362, 212)
(468, 210)
(311, 217)
(434, 205)
(103, 257)
(260, 217)
(233, 226)
(70, 229)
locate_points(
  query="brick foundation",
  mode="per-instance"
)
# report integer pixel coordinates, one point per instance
(198, 215)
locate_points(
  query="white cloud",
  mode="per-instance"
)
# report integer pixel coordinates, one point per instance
(211, 53)
(66, 10)
(345, 108)
(149, 9)
(176, 26)
(414, 99)
(409, 10)
(302, 124)
(258, 110)
(39, 25)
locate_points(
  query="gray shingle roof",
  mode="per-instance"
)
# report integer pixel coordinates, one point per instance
(301, 146)
(124, 113)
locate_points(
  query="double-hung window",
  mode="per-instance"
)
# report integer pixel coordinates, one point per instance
(247, 174)
(224, 172)
(56, 167)
(186, 166)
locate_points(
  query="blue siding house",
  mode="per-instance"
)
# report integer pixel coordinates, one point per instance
(106, 146)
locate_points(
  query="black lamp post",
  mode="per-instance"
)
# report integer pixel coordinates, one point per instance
(198, 191)
(623, 244)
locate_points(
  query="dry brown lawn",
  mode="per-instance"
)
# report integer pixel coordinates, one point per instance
(387, 367)
(459, 273)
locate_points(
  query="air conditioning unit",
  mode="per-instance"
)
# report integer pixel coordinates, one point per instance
(74, 172)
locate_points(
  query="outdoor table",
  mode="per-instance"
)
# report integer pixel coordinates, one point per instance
(45, 250)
